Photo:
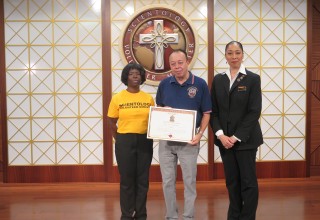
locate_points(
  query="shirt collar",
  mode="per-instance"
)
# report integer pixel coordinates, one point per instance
(242, 70)
(189, 81)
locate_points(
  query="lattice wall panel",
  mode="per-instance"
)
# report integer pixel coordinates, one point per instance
(54, 91)
(274, 37)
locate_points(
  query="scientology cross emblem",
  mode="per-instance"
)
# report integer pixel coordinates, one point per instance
(159, 40)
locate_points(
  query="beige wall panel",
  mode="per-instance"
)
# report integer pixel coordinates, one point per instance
(274, 37)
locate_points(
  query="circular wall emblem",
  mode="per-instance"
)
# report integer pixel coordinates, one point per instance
(150, 37)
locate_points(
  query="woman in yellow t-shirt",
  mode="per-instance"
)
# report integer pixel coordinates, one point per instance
(128, 118)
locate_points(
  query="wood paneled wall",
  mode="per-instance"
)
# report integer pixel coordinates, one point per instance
(109, 173)
(1, 155)
(315, 91)
(3, 112)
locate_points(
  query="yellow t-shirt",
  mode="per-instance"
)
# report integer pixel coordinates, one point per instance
(132, 111)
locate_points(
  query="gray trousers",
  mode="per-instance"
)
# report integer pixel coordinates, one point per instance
(169, 153)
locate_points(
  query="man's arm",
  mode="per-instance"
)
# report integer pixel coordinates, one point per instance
(203, 126)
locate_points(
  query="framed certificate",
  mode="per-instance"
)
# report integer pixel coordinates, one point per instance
(171, 124)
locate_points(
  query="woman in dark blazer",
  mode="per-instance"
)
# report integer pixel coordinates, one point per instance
(237, 100)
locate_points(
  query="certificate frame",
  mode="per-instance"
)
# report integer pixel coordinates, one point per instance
(171, 124)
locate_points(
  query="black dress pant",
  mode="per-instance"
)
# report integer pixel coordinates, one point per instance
(241, 182)
(134, 156)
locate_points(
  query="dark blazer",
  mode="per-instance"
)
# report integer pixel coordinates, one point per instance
(237, 111)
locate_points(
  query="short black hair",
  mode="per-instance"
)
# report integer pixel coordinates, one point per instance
(180, 50)
(133, 66)
(234, 42)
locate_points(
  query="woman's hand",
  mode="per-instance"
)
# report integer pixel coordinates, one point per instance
(226, 141)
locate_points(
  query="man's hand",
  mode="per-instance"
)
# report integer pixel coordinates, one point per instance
(196, 139)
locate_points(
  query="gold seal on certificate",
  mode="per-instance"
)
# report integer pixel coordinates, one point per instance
(171, 124)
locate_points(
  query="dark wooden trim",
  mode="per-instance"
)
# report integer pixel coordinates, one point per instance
(313, 92)
(203, 173)
(3, 96)
(283, 169)
(210, 42)
(106, 88)
(47, 174)
(314, 170)
(210, 77)
(308, 86)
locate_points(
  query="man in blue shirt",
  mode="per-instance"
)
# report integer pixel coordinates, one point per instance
(182, 90)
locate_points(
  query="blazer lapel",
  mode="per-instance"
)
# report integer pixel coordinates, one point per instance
(226, 83)
(240, 77)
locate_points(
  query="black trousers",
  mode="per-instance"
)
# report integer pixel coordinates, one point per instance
(241, 182)
(134, 156)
